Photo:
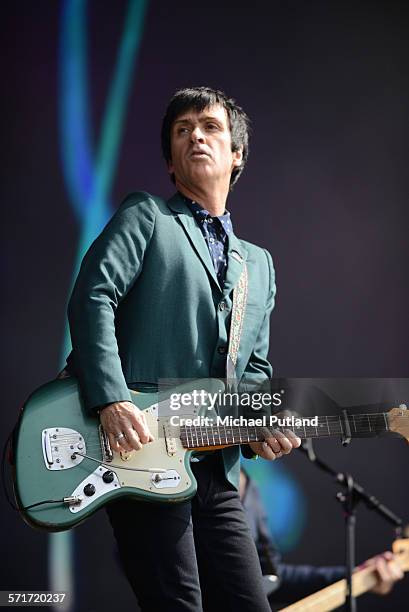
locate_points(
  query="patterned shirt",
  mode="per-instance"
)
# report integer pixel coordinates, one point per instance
(215, 231)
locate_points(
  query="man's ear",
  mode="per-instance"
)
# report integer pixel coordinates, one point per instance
(237, 157)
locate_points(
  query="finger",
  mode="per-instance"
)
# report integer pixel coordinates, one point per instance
(124, 443)
(114, 442)
(286, 446)
(139, 424)
(388, 555)
(134, 440)
(273, 444)
(382, 569)
(295, 440)
(143, 416)
(395, 571)
(267, 452)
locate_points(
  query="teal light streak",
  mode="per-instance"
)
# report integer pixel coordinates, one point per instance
(75, 138)
(88, 176)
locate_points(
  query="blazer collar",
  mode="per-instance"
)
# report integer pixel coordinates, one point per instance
(193, 232)
(236, 252)
(236, 258)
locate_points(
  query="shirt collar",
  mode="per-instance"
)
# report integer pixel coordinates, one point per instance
(202, 215)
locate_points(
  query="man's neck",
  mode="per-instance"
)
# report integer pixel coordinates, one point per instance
(212, 200)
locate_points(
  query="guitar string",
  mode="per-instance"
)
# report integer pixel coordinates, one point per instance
(94, 444)
(70, 439)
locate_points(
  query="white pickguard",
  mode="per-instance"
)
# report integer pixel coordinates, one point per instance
(164, 458)
(154, 455)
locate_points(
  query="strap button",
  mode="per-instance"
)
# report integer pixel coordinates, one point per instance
(222, 305)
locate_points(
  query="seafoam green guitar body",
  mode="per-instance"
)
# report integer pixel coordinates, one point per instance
(54, 427)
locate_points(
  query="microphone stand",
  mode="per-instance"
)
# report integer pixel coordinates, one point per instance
(353, 494)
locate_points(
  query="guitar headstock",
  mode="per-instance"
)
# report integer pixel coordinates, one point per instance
(398, 420)
(401, 551)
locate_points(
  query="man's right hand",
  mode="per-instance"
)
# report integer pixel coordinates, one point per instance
(125, 426)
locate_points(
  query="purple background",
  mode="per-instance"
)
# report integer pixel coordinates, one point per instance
(325, 190)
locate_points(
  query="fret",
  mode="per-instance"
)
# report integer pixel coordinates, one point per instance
(247, 438)
(369, 423)
(326, 418)
(386, 421)
(341, 426)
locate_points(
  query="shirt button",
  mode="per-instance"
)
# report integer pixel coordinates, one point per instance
(222, 305)
(211, 240)
(222, 350)
(210, 220)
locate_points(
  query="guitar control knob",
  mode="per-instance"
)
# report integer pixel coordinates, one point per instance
(89, 490)
(108, 477)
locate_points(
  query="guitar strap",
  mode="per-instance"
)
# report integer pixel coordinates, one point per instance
(236, 325)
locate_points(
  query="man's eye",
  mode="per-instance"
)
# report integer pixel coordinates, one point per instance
(212, 126)
(183, 130)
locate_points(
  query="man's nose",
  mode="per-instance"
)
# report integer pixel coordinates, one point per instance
(197, 135)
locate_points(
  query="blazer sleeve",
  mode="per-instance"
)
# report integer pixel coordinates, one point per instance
(108, 271)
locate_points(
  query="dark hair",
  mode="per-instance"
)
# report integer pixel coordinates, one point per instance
(199, 98)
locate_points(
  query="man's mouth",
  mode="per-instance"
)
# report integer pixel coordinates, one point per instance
(199, 154)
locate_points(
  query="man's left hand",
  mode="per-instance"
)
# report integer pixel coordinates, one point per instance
(387, 570)
(276, 444)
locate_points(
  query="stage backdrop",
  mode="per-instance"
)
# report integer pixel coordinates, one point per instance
(325, 190)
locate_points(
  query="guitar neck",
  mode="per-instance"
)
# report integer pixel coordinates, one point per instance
(363, 580)
(333, 596)
(205, 436)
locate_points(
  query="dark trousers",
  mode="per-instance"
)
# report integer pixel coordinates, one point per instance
(191, 556)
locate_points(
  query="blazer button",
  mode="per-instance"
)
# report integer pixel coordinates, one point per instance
(222, 350)
(222, 305)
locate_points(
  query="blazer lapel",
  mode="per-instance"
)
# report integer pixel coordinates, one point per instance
(193, 232)
(236, 256)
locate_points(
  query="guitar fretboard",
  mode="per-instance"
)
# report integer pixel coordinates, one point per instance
(358, 425)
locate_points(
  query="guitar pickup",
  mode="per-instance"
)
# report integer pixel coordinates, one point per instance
(170, 440)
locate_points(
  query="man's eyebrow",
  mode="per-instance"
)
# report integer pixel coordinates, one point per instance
(205, 118)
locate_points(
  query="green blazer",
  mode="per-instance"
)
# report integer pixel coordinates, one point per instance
(147, 305)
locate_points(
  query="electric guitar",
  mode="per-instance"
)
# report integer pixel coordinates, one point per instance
(65, 470)
(363, 579)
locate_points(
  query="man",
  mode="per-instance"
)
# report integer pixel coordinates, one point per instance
(153, 300)
(298, 581)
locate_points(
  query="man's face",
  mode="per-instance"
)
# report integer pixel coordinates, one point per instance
(201, 148)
